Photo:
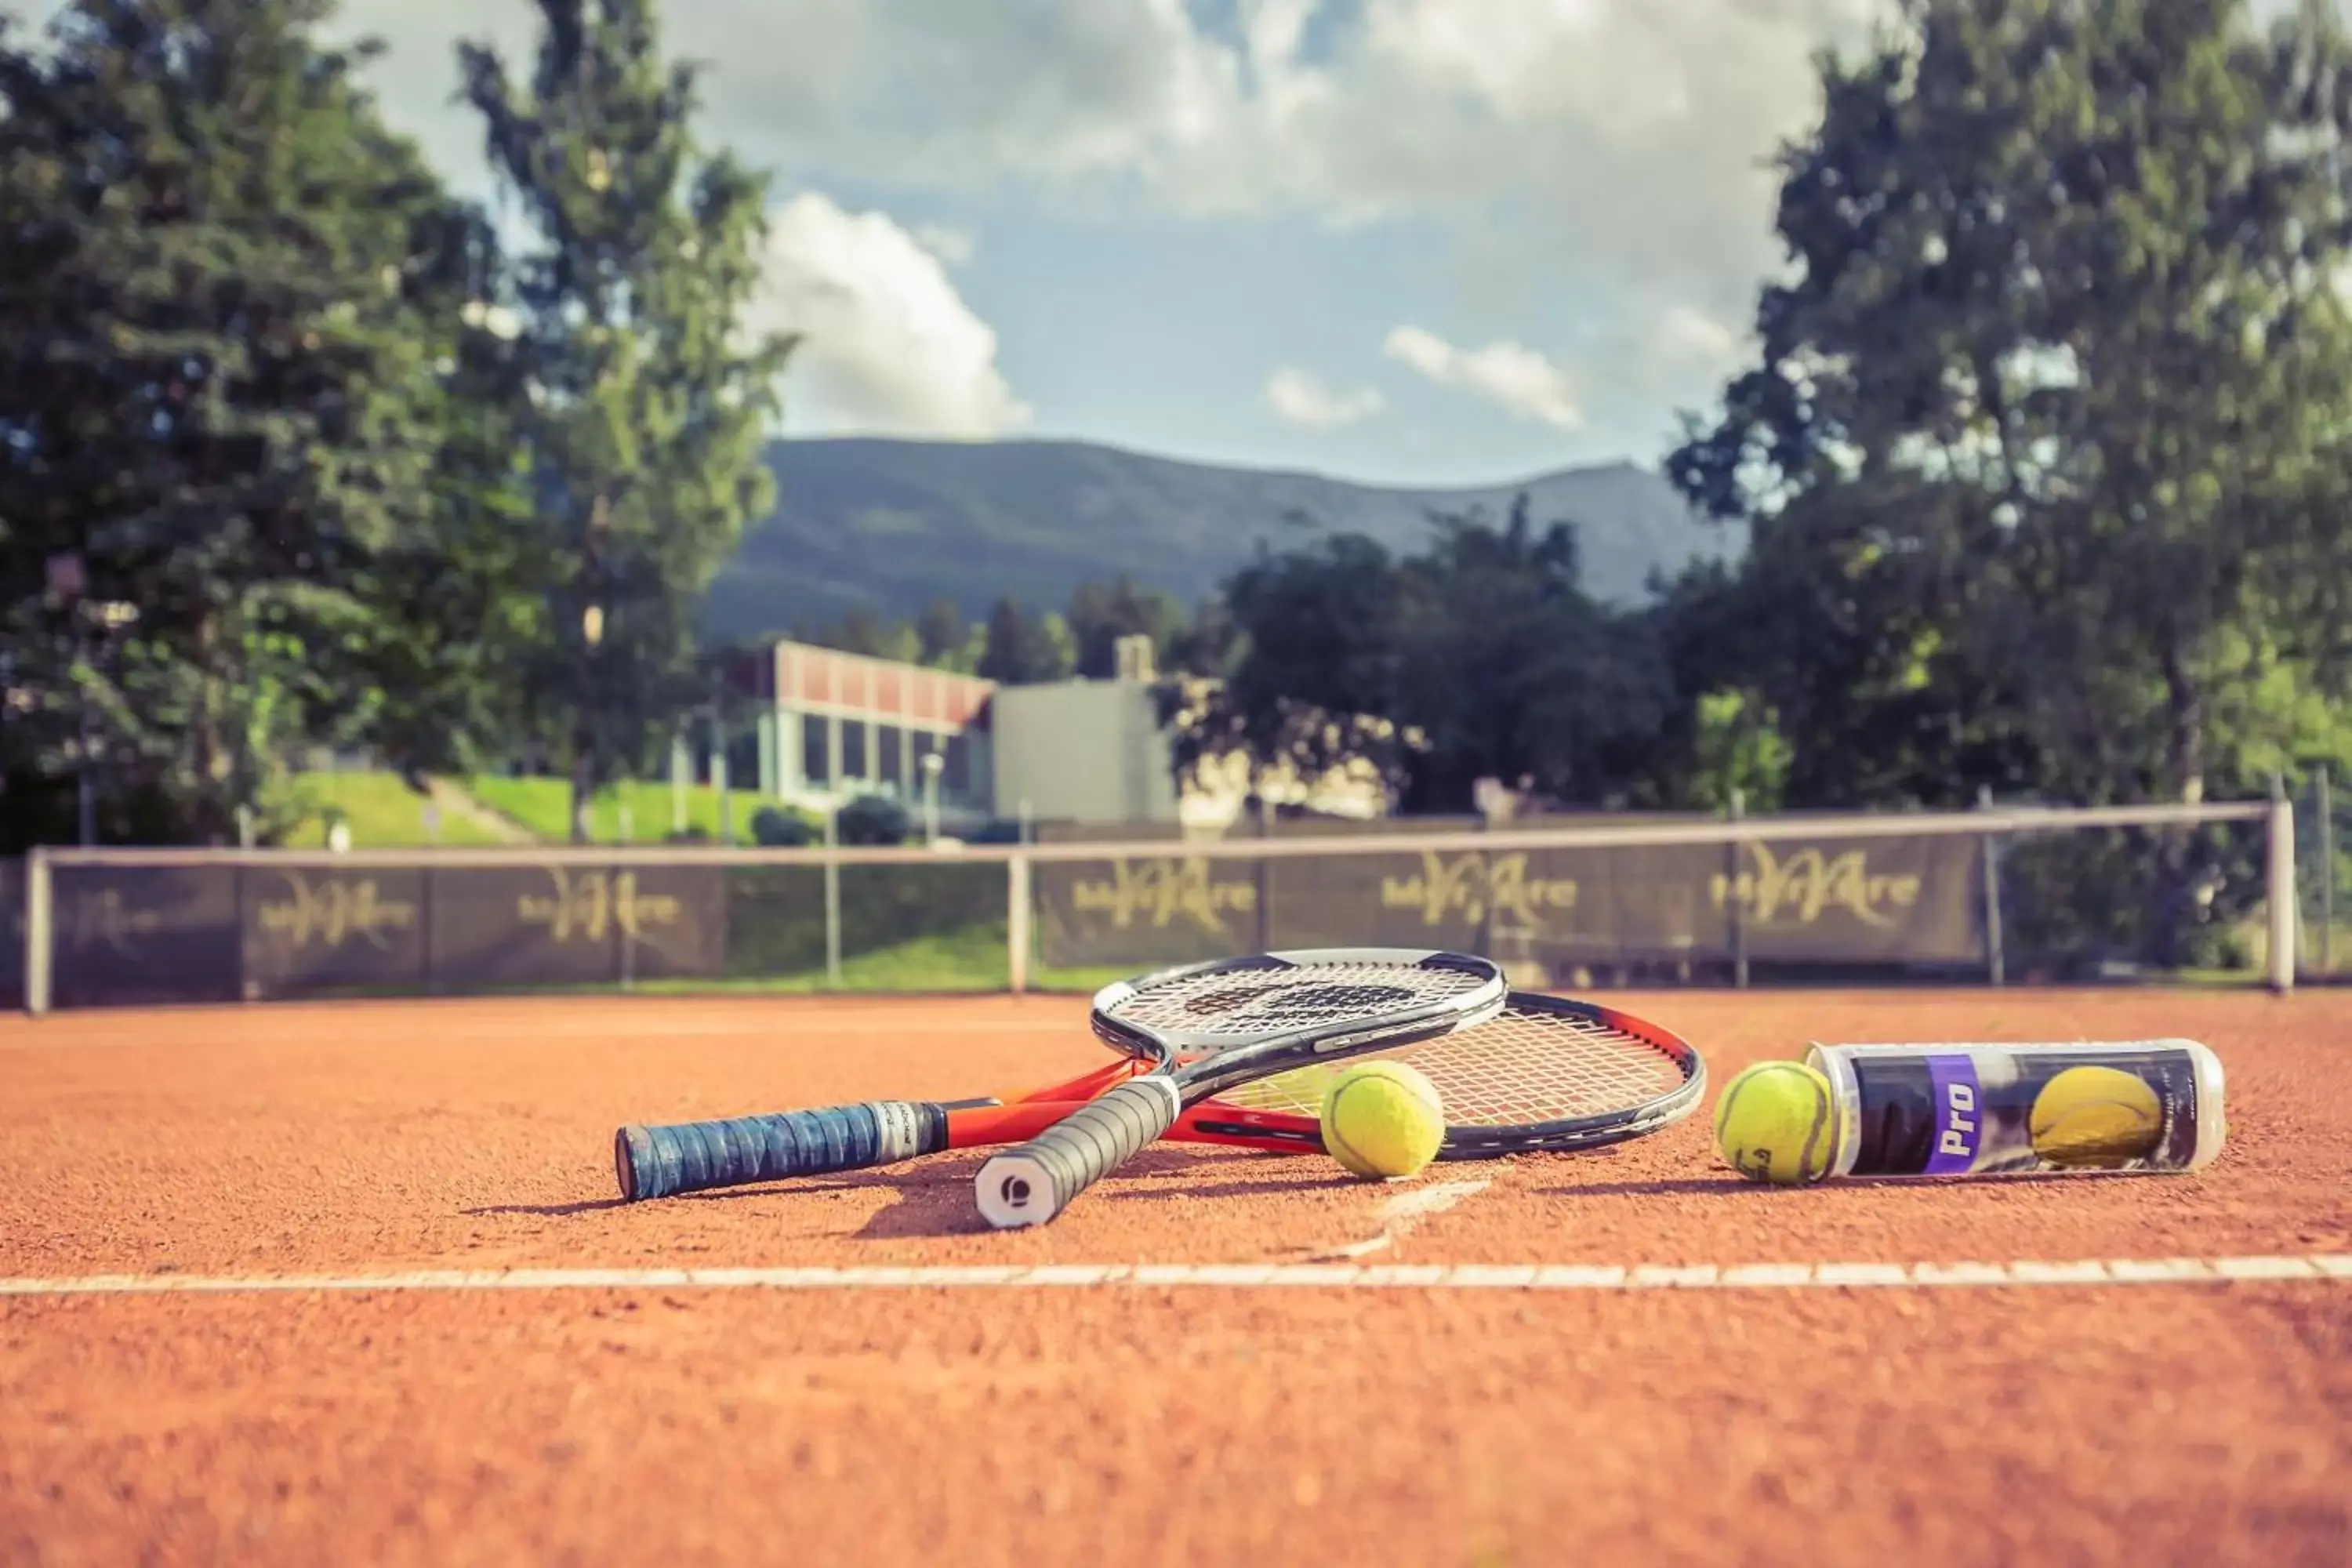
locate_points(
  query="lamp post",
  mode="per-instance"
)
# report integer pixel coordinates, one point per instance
(592, 637)
(932, 764)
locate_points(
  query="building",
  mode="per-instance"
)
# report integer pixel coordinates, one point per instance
(829, 727)
(1082, 750)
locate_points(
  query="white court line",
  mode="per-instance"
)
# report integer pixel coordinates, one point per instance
(2322, 1268)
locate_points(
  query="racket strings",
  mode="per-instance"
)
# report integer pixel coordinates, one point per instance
(1521, 1068)
(1320, 993)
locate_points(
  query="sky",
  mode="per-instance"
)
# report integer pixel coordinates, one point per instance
(1439, 242)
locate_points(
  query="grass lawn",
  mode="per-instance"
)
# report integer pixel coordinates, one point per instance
(382, 812)
(543, 806)
(970, 960)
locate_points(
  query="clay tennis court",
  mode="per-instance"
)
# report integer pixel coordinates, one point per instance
(1216, 1356)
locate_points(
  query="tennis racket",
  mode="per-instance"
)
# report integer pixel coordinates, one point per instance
(1209, 1027)
(1546, 1073)
(692, 1156)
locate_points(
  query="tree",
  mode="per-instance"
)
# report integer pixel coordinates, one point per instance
(647, 402)
(225, 302)
(1206, 644)
(1311, 682)
(2049, 427)
(941, 633)
(1101, 614)
(1481, 656)
(1020, 651)
(1508, 669)
(861, 631)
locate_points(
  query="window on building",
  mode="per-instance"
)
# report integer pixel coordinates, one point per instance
(817, 765)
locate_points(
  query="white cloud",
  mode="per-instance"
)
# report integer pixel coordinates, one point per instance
(952, 245)
(1302, 397)
(1615, 145)
(1613, 151)
(1510, 375)
(889, 347)
(1689, 339)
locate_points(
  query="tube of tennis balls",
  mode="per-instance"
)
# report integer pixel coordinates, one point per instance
(2014, 1109)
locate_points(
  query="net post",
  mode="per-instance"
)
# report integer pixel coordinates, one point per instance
(621, 883)
(1738, 920)
(1016, 923)
(833, 896)
(2281, 894)
(40, 928)
(2326, 822)
(1996, 959)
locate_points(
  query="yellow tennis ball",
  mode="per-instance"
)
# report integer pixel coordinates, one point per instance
(1776, 1122)
(2096, 1117)
(1383, 1119)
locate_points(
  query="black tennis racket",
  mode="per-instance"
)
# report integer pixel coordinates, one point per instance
(1544, 1074)
(1208, 1027)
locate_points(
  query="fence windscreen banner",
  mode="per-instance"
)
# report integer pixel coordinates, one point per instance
(1899, 901)
(124, 934)
(127, 935)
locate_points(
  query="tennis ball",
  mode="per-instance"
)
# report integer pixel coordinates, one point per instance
(1776, 1122)
(1383, 1119)
(2096, 1117)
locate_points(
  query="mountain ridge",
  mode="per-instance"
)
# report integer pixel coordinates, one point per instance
(888, 524)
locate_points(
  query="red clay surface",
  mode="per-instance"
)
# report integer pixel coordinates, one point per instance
(2199, 1423)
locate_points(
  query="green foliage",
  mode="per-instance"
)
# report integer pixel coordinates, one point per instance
(2045, 449)
(1101, 614)
(776, 828)
(1481, 656)
(863, 632)
(872, 819)
(1020, 649)
(228, 308)
(645, 404)
(1740, 754)
(944, 638)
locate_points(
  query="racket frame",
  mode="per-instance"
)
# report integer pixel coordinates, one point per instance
(1061, 1162)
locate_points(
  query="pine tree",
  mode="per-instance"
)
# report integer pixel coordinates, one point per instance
(646, 403)
(224, 295)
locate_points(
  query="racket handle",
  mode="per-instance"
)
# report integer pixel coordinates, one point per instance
(1032, 1183)
(692, 1156)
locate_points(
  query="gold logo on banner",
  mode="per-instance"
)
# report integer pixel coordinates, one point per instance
(1470, 885)
(590, 905)
(105, 918)
(1161, 892)
(331, 911)
(1807, 884)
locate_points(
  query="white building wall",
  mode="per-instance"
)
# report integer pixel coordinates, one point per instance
(1081, 750)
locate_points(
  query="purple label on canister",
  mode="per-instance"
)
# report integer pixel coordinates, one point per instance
(1958, 1115)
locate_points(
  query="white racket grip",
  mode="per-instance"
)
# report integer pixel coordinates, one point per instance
(1029, 1184)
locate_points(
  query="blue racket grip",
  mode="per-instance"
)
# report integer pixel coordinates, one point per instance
(692, 1156)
